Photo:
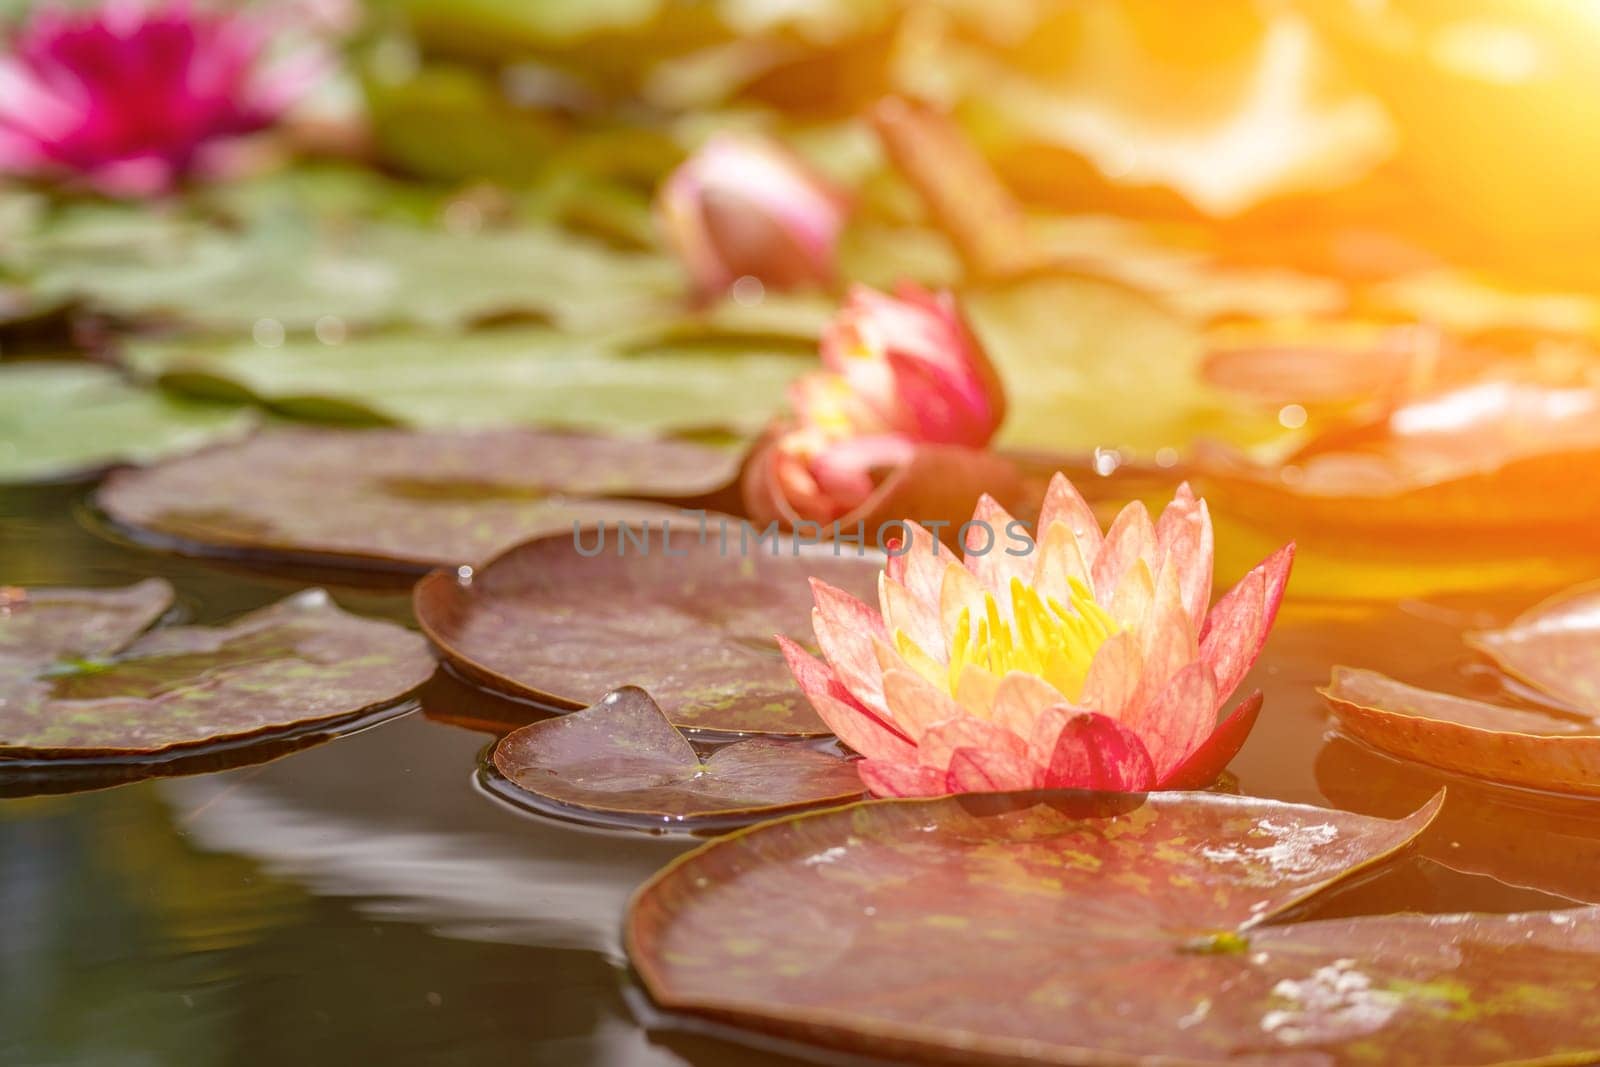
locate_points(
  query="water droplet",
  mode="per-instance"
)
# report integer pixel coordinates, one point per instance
(748, 291)
(1291, 416)
(331, 330)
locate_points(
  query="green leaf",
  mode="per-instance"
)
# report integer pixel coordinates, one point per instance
(1087, 364)
(514, 376)
(59, 420)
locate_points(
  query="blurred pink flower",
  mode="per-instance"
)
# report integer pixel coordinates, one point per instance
(1091, 661)
(129, 97)
(745, 206)
(910, 360)
(903, 373)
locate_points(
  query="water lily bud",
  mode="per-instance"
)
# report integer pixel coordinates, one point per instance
(911, 358)
(127, 98)
(743, 206)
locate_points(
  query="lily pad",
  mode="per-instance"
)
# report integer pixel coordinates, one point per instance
(685, 611)
(61, 420)
(1497, 454)
(103, 692)
(404, 499)
(285, 265)
(526, 376)
(1088, 364)
(623, 759)
(1522, 747)
(1554, 647)
(1081, 928)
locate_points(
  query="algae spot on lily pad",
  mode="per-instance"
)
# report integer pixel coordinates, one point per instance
(1073, 928)
(405, 500)
(61, 420)
(76, 682)
(686, 613)
(622, 760)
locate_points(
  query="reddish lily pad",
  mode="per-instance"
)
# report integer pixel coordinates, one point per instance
(1494, 454)
(691, 618)
(1523, 747)
(405, 499)
(111, 694)
(622, 758)
(1554, 647)
(1083, 928)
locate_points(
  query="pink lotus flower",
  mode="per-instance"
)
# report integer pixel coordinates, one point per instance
(128, 98)
(743, 206)
(1089, 662)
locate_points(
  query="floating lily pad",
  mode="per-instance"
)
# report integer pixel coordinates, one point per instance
(1088, 364)
(1489, 455)
(282, 262)
(61, 420)
(1523, 747)
(689, 617)
(1079, 928)
(1554, 647)
(102, 692)
(529, 376)
(622, 758)
(404, 499)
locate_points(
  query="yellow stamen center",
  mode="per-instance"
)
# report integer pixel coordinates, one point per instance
(1042, 637)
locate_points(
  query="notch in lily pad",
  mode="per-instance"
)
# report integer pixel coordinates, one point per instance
(621, 761)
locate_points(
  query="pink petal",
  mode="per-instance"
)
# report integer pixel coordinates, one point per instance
(991, 553)
(1185, 544)
(940, 743)
(917, 619)
(1094, 752)
(1065, 505)
(976, 689)
(915, 706)
(885, 778)
(1168, 642)
(845, 630)
(1020, 700)
(1135, 593)
(959, 592)
(1131, 537)
(1061, 562)
(1113, 677)
(976, 770)
(1238, 625)
(920, 564)
(1179, 720)
(1213, 756)
(840, 712)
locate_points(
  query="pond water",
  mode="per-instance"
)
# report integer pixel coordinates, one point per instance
(367, 900)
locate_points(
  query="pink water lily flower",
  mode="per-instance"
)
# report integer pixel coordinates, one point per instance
(901, 373)
(744, 206)
(911, 364)
(1082, 660)
(129, 97)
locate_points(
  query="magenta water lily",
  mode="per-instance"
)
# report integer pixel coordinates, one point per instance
(128, 98)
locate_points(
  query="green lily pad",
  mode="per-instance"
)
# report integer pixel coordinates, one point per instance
(621, 759)
(283, 268)
(76, 682)
(62, 420)
(511, 376)
(688, 616)
(1080, 928)
(404, 499)
(1087, 364)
